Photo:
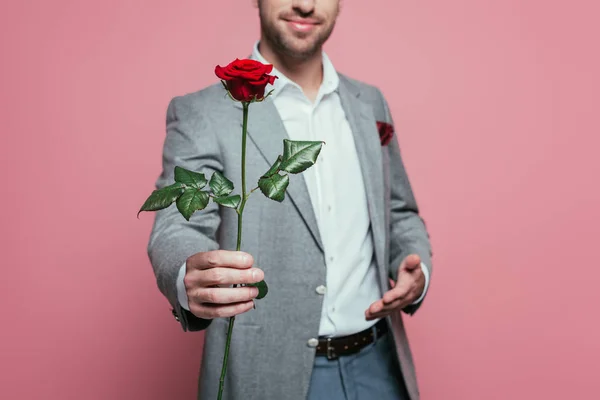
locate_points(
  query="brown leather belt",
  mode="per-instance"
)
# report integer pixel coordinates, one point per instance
(333, 348)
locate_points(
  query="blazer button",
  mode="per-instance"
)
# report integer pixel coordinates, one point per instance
(312, 342)
(321, 289)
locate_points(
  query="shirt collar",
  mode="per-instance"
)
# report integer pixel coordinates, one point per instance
(329, 85)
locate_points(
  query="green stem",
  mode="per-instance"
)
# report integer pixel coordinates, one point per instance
(240, 212)
(244, 197)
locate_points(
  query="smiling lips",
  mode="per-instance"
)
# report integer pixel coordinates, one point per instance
(302, 25)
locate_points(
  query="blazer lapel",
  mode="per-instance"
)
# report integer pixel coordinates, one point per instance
(368, 147)
(266, 130)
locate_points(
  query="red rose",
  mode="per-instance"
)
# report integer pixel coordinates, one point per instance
(246, 79)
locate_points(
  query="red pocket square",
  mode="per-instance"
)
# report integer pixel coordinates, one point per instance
(386, 132)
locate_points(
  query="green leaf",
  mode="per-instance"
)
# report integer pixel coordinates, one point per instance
(190, 178)
(263, 289)
(162, 198)
(274, 168)
(299, 155)
(191, 201)
(229, 201)
(274, 186)
(220, 185)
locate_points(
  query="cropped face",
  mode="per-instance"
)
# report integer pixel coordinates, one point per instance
(297, 28)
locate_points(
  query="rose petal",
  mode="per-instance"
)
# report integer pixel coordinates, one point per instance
(220, 72)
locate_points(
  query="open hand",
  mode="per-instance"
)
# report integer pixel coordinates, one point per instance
(410, 286)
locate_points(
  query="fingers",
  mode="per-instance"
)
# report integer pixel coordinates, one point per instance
(212, 311)
(220, 267)
(379, 310)
(411, 282)
(399, 292)
(206, 271)
(397, 298)
(219, 258)
(224, 295)
(411, 262)
(408, 281)
(222, 276)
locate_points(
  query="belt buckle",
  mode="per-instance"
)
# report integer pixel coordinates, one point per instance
(330, 351)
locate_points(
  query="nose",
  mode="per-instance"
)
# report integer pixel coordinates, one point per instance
(304, 7)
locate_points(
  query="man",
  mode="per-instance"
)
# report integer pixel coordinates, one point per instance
(331, 325)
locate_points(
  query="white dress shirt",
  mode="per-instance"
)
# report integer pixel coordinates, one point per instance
(339, 202)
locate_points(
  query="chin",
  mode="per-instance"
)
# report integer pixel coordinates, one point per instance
(301, 53)
(301, 49)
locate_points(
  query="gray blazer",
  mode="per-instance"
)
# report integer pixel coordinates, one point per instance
(269, 357)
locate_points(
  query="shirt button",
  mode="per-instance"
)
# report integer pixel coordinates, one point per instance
(312, 342)
(328, 208)
(331, 259)
(321, 289)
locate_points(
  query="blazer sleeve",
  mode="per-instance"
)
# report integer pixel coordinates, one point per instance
(408, 233)
(173, 239)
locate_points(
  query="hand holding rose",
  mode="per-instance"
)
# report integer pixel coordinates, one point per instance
(206, 271)
(244, 81)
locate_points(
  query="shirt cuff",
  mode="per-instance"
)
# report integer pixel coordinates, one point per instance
(425, 272)
(181, 292)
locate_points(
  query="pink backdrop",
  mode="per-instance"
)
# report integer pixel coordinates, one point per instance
(497, 107)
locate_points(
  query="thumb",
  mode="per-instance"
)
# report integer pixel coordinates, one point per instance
(411, 262)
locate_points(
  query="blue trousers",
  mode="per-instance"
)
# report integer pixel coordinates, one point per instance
(372, 373)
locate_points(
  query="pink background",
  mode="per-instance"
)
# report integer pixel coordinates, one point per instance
(496, 103)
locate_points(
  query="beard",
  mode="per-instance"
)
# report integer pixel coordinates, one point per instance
(298, 46)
